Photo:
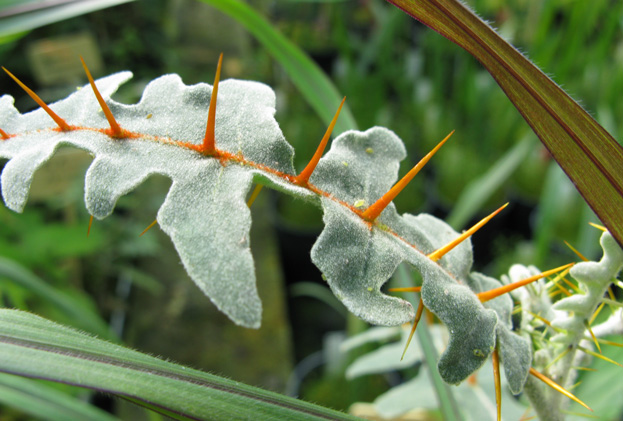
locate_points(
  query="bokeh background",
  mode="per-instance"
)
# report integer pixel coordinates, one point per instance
(394, 72)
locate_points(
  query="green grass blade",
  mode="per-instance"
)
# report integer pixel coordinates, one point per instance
(45, 403)
(480, 190)
(585, 151)
(315, 86)
(34, 347)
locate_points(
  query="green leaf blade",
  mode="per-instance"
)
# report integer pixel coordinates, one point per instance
(313, 83)
(586, 152)
(46, 403)
(34, 347)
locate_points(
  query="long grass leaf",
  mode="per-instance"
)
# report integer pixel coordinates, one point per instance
(475, 195)
(46, 403)
(315, 86)
(34, 347)
(585, 151)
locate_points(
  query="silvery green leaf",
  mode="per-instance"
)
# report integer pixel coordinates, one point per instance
(515, 351)
(205, 213)
(593, 278)
(358, 257)
(206, 216)
(516, 356)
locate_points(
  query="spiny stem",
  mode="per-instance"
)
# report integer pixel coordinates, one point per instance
(59, 121)
(114, 126)
(418, 316)
(496, 292)
(90, 223)
(148, 228)
(495, 359)
(4, 134)
(377, 207)
(256, 192)
(557, 387)
(438, 254)
(209, 141)
(303, 177)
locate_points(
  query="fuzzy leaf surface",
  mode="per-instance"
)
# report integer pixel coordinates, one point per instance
(358, 257)
(205, 213)
(515, 351)
(206, 216)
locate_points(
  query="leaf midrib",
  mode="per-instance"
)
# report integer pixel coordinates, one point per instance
(147, 368)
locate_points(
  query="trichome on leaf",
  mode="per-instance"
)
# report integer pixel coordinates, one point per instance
(205, 213)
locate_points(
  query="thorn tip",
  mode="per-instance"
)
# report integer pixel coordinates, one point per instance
(58, 120)
(439, 253)
(557, 387)
(114, 126)
(255, 194)
(416, 321)
(209, 141)
(150, 226)
(303, 177)
(375, 209)
(496, 292)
